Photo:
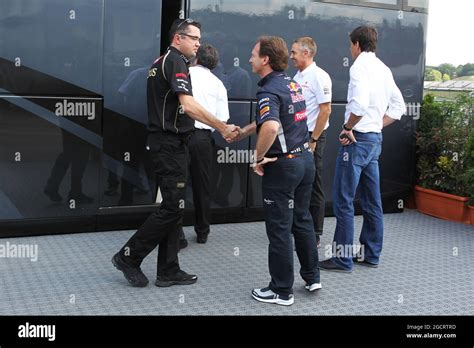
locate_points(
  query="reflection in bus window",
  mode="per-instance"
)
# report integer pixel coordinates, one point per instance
(415, 5)
(391, 4)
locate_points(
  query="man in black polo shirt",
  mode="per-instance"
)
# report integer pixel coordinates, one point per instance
(286, 164)
(171, 111)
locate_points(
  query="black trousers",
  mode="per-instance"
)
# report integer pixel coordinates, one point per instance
(317, 203)
(286, 191)
(200, 150)
(75, 155)
(170, 160)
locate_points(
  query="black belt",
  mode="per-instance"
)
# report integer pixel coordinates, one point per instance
(170, 138)
(295, 152)
(202, 129)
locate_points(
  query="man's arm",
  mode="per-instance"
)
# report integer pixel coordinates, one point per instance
(387, 121)
(396, 106)
(194, 110)
(357, 105)
(266, 137)
(247, 130)
(323, 117)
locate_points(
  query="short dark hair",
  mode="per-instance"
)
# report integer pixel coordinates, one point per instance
(207, 56)
(275, 48)
(366, 37)
(181, 26)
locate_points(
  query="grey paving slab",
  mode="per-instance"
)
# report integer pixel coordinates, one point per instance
(426, 269)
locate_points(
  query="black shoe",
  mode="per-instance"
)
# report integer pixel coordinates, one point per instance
(53, 195)
(81, 198)
(111, 191)
(183, 243)
(141, 191)
(362, 262)
(330, 265)
(179, 278)
(202, 239)
(134, 275)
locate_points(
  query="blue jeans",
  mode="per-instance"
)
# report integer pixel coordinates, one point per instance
(286, 188)
(357, 166)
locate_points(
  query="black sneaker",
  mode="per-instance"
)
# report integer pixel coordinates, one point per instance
(179, 278)
(134, 275)
(330, 265)
(363, 262)
(183, 243)
(268, 296)
(53, 195)
(202, 238)
(111, 191)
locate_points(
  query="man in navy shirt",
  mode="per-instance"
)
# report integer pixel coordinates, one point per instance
(285, 162)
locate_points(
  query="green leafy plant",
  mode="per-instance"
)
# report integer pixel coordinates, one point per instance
(469, 164)
(442, 144)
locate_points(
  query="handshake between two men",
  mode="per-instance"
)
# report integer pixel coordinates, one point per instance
(235, 133)
(232, 133)
(266, 138)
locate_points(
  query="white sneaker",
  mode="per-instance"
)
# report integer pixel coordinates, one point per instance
(268, 296)
(313, 287)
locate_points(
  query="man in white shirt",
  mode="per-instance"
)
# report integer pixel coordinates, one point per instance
(210, 92)
(317, 87)
(374, 102)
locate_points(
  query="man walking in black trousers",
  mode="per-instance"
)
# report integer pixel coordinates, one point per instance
(171, 110)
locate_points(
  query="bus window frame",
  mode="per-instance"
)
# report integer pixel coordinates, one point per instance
(409, 8)
(397, 7)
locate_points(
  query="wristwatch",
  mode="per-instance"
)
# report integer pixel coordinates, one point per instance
(346, 128)
(312, 140)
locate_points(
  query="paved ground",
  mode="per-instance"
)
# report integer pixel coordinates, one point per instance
(426, 269)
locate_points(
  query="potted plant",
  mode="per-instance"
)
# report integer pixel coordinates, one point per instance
(441, 141)
(469, 176)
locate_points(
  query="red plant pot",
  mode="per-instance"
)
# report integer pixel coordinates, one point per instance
(470, 209)
(442, 205)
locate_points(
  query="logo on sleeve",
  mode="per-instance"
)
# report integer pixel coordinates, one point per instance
(264, 111)
(326, 90)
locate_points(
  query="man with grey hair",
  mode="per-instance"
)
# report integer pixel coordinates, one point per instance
(316, 85)
(210, 92)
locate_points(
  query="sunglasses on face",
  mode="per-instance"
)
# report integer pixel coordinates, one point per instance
(188, 20)
(192, 37)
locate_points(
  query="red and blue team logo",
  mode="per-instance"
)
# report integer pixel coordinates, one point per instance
(296, 92)
(294, 87)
